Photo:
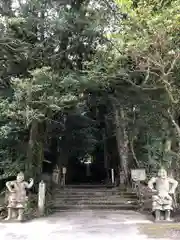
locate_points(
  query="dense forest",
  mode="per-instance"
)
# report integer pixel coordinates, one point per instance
(79, 74)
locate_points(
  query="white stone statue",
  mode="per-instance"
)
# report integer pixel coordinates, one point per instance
(17, 196)
(162, 201)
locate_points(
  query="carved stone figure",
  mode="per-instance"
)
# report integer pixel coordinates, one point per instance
(162, 201)
(17, 196)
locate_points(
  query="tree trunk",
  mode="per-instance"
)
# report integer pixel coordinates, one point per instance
(30, 149)
(106, 162)
(122, 140)
(35, 151)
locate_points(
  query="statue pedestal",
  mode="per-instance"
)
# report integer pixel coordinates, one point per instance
(13, 221)
(164, 221)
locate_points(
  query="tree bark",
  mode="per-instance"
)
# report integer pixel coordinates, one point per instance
(106, 162)
(30, 149)
(122, 140)
(35, 151)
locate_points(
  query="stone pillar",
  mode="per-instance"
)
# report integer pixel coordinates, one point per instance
(63, 182)
(41, 197)
(88, 170)
(112, 176)
(56, 175)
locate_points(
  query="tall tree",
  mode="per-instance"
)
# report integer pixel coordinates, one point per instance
(46, 46)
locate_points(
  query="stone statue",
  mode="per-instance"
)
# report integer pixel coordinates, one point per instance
(162, 201)
(17, 196)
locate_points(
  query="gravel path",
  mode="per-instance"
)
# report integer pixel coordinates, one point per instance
(71, 225)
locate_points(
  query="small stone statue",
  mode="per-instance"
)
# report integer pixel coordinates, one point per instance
(17, 196)
(164, 187)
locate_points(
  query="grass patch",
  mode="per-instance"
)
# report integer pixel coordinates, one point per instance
(160, 230)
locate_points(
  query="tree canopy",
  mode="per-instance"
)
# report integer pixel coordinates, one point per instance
(72, 71)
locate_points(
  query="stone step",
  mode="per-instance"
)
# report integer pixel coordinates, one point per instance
(90, 186)
(92, 195)
(86, 192)
(57, 208)
(65, 196)
(94, 191)
(94, 198)
(111, 198)
(106, 202)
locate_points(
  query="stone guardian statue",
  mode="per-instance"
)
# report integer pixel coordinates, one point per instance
(17, 196)
(164, 188)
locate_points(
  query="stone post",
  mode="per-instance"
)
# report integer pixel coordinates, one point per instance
(41, 197)
(56, 175)
(64, 170)
(112, 176)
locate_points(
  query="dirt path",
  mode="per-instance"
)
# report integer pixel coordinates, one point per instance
(89, 225)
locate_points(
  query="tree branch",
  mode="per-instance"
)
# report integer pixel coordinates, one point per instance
(131, 143)
(174, 122)
(172, 64)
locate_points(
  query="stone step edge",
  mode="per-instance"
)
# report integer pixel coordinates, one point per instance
(93, 190)
(92, 196)
(119, 207)
(93, 193)
(99, 202)
(90, 186)
(95, 200)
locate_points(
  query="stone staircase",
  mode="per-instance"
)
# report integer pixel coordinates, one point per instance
(96, 197)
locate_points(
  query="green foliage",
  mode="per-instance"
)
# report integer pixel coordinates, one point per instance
(69, 67)
(150, 42)
(45, 51)
(141, 66)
